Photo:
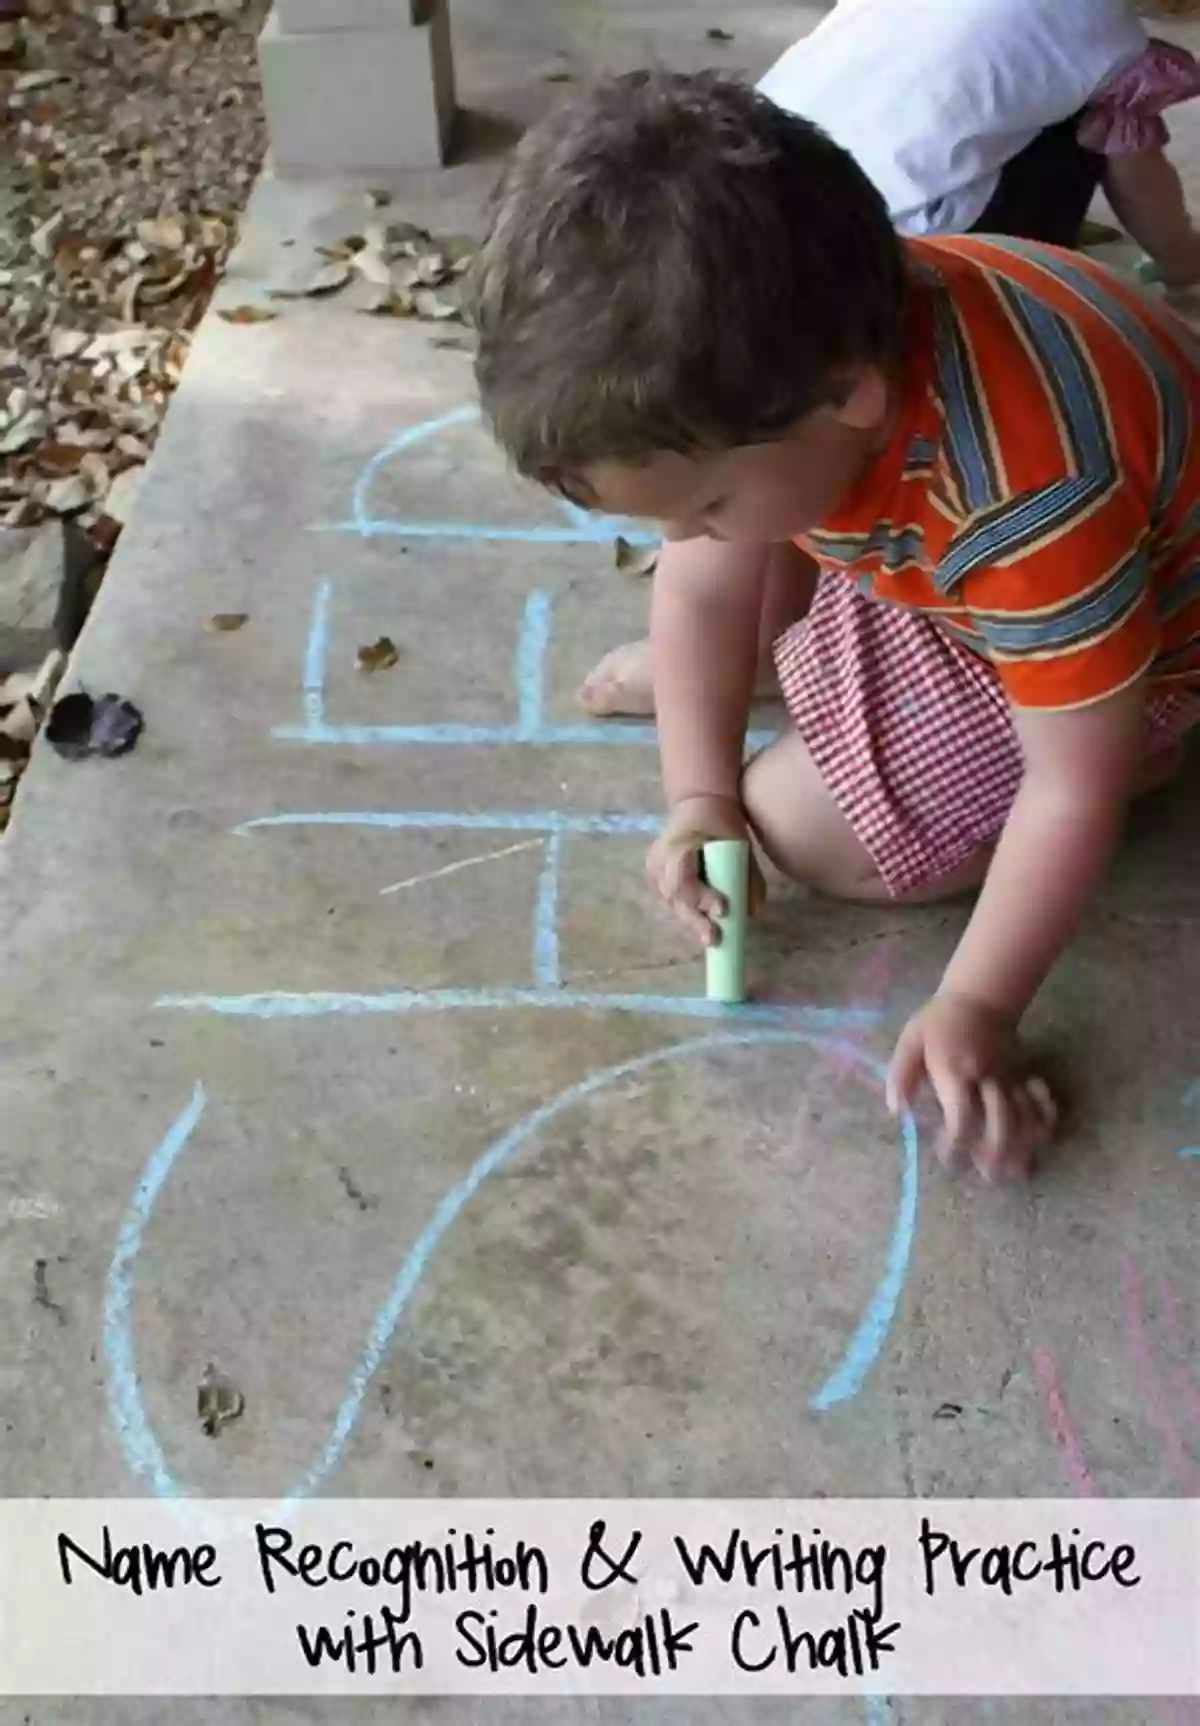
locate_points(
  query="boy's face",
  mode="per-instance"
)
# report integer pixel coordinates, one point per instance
(762, 492)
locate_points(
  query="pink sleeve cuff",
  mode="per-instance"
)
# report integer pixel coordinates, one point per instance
(1125, 114)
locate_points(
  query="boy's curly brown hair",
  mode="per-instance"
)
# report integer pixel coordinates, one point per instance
(674, 263)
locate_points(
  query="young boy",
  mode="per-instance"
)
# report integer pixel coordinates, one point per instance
(955, 482)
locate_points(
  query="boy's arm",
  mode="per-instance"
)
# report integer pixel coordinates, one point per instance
(704, 623)
(1080, 768)
(1059, 838)
(1148, 200)
(704, 629)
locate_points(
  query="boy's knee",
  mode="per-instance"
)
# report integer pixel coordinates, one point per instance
(806, 837)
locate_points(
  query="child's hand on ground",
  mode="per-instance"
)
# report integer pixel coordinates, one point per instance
(992, 1114)
(673, 866)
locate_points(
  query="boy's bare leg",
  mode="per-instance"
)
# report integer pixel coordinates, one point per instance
(621, 682)
(809, 840)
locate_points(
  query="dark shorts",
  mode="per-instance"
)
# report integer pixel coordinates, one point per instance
(1044, 193)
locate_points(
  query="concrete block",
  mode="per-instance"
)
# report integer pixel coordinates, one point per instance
(44, 591)
(296, 17)
(359, 101)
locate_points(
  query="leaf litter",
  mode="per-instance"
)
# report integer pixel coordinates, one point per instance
(137, 134)
(396, 268)
(133, 134)
(25, 699)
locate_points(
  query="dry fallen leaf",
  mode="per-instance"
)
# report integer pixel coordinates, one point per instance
(39, 80)
(67, 344)
(42, 239)
(19, 722)
(431, 304)
(330, 278)
(122, 494)
(432, 268)
(226, 622)
(33, 686)
(380, 656)
(636, 560)
(247, 315)
(373, 266)
(128, 297)
(327, 278)
(218, 1401)
(28, 429)
(383, 303)
(162, 234)
(79, 726)
(157, 293)
(66, 496)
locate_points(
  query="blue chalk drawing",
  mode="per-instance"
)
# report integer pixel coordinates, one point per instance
(135, 1435)
(548, 988)
(471, 820)
(825, 1029)
(580, 528)
(529, 676)
(322, 1003)
(546, 966)
(131, 1422)
(1191, 1100)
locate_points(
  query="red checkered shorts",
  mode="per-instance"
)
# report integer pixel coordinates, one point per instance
(912, 733)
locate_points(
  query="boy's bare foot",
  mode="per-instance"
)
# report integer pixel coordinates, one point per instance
(621, 684)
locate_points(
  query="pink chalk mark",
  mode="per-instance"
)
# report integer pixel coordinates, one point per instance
(1167, 1710)
(1061, 1425)
(1185, 1387)
(873, 979)
(1158, 1403)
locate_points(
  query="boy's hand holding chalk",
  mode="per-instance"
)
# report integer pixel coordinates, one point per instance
(698, 898)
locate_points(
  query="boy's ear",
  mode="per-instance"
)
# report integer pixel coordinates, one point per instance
(864, 406)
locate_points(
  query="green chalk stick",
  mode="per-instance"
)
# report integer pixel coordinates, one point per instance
(726, 865)
(1148, 271)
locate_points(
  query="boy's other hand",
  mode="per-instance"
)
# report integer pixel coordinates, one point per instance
(673, 865)
(993, 1115)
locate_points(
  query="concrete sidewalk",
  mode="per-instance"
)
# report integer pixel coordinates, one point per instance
(258, 1021)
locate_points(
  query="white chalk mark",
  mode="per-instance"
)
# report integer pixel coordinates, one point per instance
(463, 863)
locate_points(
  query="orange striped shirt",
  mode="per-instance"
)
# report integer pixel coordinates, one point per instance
(1041, 497)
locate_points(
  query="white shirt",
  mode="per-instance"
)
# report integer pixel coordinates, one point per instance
(933, 97)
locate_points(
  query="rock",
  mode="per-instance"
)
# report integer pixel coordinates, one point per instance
(45, 582)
